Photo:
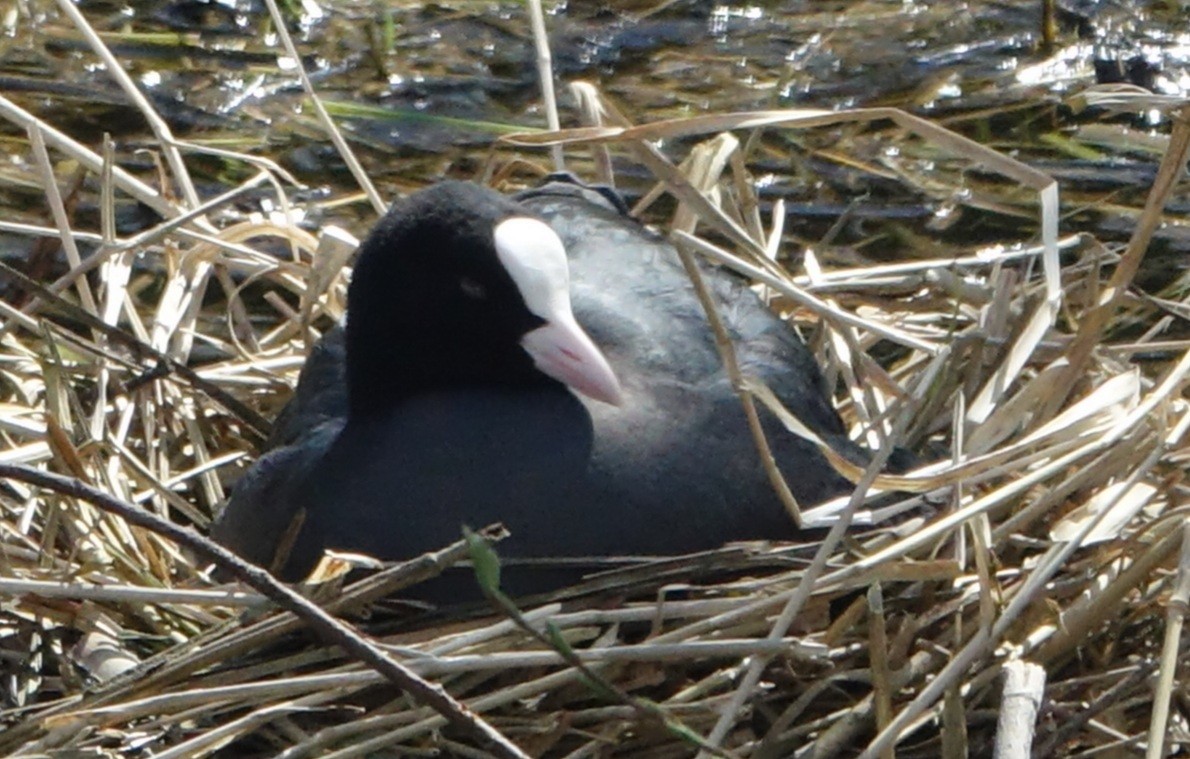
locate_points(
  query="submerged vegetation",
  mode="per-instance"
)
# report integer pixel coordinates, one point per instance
(178, 230)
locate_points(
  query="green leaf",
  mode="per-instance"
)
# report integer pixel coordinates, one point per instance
(484, 560)
(347, 110)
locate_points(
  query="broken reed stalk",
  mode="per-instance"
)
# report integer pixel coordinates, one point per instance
(1024, 689)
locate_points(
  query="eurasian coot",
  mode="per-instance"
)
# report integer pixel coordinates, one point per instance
(431, 413)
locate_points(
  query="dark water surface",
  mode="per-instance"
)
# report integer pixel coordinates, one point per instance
(423, 90)
(218, 73)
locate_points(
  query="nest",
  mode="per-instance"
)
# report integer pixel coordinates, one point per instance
(1031, 589)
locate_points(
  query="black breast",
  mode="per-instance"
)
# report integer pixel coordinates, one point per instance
(397, 486)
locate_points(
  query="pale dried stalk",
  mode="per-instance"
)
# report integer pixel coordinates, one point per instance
(161, 130)
(324, 118)
(1175, 617)
(545, 73)
(1024, 688)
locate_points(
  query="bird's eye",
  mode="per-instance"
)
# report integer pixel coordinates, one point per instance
(472, 289)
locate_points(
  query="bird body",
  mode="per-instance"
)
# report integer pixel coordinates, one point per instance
(431, 413)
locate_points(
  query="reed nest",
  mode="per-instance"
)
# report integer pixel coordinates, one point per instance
(1029, 591)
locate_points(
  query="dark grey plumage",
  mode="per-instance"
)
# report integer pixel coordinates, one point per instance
(671, 470)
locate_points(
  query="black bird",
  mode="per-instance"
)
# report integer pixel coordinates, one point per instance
(447, 403)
